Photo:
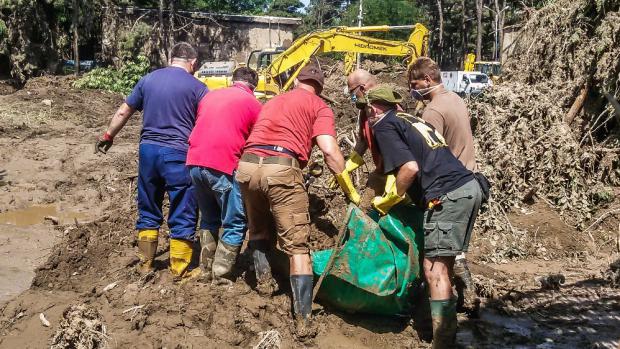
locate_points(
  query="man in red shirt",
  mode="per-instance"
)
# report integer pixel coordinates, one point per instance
(272, 183)
(224, 120)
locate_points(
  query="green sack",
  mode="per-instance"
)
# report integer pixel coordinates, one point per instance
(378, 266)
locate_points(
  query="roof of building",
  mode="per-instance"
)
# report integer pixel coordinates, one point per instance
(292, 21)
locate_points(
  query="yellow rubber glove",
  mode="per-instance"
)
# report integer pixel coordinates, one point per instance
(384, 203)
(346, 184)
(353, 162)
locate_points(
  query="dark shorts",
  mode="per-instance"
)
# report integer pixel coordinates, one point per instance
(448, 227)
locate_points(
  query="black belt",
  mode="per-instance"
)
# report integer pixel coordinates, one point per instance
(272, 160)
(276, 148)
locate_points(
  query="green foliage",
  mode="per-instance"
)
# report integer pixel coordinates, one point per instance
(109, 79)
(131, 42)
(3, 29)
(399, 12)
(285, 8)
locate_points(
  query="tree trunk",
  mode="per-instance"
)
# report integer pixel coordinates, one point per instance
(76, 38)
(440, 16)
(479, 7)
(172, 14)
(163, 47)
(496, 46)
(463, 33)
(502, 18)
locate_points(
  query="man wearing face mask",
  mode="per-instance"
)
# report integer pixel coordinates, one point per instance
(168, 99)
(437, 182)
(448, 114)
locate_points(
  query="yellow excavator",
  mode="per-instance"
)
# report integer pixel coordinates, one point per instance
(279, 67)
(492, 69)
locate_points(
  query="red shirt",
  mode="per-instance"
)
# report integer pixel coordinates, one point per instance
(224, 120)
(292, 120)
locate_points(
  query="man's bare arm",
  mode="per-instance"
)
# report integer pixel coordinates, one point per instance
(331, 151)
(405, 176)
(119, 119)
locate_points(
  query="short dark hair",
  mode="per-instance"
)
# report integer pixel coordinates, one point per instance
(246, 74)
(183, 50)
(424, 66)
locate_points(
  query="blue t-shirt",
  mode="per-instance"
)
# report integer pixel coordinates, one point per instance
(169, 99)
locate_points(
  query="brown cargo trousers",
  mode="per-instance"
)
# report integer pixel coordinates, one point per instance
(275, 200)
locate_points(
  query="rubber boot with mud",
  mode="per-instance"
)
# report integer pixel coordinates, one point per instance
(443, 313)
(301, 285)
(225, 259)
(208, 246)
(147, 247)
(180, 258)
(468, 302)
(265, 284)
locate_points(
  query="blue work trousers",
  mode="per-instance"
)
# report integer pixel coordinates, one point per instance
(160, 170)
(219, 199)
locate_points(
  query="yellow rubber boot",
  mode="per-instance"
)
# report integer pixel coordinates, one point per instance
(147, 247)
(180, 256)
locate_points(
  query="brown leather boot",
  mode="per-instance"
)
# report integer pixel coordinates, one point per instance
(443, 313)
(147, 247)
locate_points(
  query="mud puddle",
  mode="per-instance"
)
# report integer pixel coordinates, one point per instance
(39, 214)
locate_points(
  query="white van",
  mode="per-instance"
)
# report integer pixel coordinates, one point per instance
(465, 82)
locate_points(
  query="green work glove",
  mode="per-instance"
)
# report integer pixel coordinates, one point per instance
(344, 180)
(353, 162)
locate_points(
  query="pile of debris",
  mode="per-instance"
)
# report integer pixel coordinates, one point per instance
(80, 328)
(547, 131)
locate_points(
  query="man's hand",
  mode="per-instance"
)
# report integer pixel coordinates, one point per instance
(346, 184)
(384, 203)
(104, 143)
(353, 162)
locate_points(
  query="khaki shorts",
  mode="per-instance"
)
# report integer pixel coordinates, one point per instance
(275, 199)
(448, 227)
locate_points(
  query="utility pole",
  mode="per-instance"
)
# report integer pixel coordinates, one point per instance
(360, 17)
(76, 38)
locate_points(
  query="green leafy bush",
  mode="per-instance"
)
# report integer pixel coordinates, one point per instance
(116, 80)
(3, 29)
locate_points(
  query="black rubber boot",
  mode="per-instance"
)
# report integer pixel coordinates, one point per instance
(265, 284)
(468, 301)
(301, 285)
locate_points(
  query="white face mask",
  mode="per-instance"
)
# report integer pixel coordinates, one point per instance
(419, 94)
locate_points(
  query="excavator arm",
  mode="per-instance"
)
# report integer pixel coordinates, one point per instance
(348, 40)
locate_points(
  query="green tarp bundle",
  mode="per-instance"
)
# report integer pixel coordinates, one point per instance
(378, 267)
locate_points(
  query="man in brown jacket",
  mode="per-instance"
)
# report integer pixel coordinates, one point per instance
(448, 114)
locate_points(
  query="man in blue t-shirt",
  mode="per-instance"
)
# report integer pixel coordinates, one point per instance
(168, 99)
(438, 183)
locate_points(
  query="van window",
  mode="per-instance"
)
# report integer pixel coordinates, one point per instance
(478, 78)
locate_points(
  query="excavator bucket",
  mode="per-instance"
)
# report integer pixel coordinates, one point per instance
(377, 269)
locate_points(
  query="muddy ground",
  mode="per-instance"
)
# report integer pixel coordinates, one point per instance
(83, 255)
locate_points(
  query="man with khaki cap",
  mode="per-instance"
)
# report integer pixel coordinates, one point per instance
(271, 181)
(437, 182)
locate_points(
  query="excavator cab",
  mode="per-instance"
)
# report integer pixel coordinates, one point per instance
(261, 59)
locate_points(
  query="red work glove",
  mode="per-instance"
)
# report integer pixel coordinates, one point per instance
(104, 143)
